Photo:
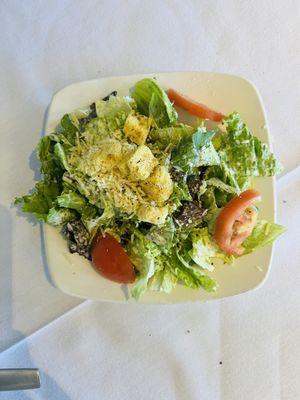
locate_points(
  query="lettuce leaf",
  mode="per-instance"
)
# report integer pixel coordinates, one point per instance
(153, 101)
(142, 254)
(163, 281)
(188, 153)
(159, 271)
(204, 249)
(191, 275)
(68, 130)
(163, 236)
(217, 183)
(221, 191)
(88, 188)
(50, 165)
(245, 153)
(71, 200)
(263, 234)
(59, 216)
(112, 113)
(224, 174)
(208, 155)
(180, 193)
(109, 119)
(169, 136)
(93, 218)
(40, 202)
(61, 157)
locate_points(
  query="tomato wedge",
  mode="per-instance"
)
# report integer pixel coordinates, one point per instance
(193, 107)
(234, 216)
(111, 261)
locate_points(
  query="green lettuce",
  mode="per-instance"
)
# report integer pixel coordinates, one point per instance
(61, 156)
(264, 233)
(224, 187)
(87, 188)
(180, 194)
(208, 155)
(40, 202)
(59, 216)
(188, 153)
(245, 153)
(163, 236)
(159, 271)
(190, 274)
(50, 164)
(143, 254)
(110, 118)
(113, 112)
(71, 200)
(92, 225)
(221, 191)
(163, 281)
(68, 132)
(169, 137)
(204, 249)
(153, 101)
(115, 107)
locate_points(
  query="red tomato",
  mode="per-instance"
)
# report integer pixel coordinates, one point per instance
(110, 260)
(193, 107)
(235, 222)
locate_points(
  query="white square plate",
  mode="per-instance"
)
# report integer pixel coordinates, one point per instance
(74, 275)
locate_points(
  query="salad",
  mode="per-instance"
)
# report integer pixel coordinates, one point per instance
(150, 200)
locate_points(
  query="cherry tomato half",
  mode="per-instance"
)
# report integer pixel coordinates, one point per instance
(235, 222)
(111, 261)
(193, 107)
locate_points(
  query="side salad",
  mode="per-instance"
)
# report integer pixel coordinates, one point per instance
(148, 199)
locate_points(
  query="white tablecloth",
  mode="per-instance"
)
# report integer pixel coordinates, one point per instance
(93, 351)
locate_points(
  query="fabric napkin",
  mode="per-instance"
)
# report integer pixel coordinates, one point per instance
(245, 347)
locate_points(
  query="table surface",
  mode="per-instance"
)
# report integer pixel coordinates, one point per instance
(45, 46)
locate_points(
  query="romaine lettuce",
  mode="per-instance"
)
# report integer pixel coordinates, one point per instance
(191, 275)
(263, 233)
(169, 137)
(153, 101)
(40, 202)
(143, 255)
(71, 200)
(68, 130)
(59, 216)
(188, 153)
(245, 153)
(204, 249)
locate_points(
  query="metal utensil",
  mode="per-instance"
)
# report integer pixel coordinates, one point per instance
(19, 379)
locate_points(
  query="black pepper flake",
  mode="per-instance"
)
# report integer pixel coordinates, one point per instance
(284, 201)
(188, 331)
(220, 362)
